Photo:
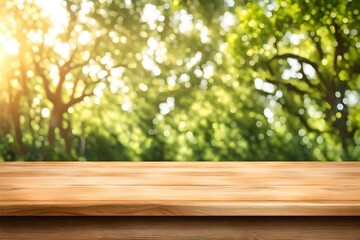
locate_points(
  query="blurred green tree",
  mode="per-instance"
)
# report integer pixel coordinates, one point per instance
(304, 57)
(179, 80)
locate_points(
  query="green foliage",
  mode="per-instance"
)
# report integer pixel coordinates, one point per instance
(304, 58)
(179, 80)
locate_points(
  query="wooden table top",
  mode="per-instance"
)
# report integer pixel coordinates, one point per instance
(180, 189)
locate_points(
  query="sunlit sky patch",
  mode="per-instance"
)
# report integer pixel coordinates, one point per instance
(168, 106)
(293, 71)
(184, 21)
(227, 21)
(56, 11)
(11, 47)
(152, 15)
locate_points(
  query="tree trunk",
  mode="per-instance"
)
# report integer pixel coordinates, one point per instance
(344, 133)
(64, 132)
(56, 122)
(15, 116)
(51, 132)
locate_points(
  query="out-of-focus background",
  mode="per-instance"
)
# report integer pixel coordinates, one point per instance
(184, 80)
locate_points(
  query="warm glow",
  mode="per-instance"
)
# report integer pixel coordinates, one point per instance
(11, 47)
(56, 11)
(63, 49)
(84, 37)
(45, 112)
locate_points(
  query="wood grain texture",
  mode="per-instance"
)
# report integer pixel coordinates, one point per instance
(179, 189)
(184, 228)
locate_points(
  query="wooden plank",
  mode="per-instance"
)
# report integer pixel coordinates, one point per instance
(180, 208)
(180, 193)
(184, 228)
(158, 180)
(180, 188)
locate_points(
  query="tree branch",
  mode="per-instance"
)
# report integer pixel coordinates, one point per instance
(340, 47)
(75, 85)
(317, 41)
(302, 119)
(40, 71)
(289, 86)
(76, 100)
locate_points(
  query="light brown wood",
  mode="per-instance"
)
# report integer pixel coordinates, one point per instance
(180, 228)
(180, 189)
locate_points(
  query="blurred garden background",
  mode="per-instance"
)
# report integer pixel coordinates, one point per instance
(181, 80)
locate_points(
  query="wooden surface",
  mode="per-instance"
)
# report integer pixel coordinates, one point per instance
(180, 189)
(180, 228)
